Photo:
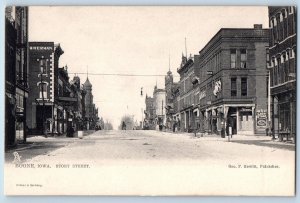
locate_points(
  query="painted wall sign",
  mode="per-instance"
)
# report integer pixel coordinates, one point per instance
(41, 48)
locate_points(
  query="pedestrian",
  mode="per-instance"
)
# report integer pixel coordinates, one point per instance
(123, 126)
(174, 126)
(229, 124)
(70, 131)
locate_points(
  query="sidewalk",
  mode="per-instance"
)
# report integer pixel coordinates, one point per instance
(34, 140)
(258, 140)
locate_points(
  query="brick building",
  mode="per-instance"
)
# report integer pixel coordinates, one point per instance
(282, 68)
(16, 74)
(42, 105)
(66, 100)
(233, 81)
(188, 102)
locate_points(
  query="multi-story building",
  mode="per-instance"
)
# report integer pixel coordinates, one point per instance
(42, 106)
(188, 94)
(16, 69)
(282, 69)
(176, 102)
(149, 121)
(91, 112)
(79, 106)
(67, 101)
(170, 88)
(10, 79)
(233, 81)
(159, 98)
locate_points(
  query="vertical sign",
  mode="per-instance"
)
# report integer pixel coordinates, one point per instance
(261, 118)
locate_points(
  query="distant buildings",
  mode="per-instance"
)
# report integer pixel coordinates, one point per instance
(155, 113)
(170, 87)
(149, 120)
(91, 112)
(282, 70)
(159, 103)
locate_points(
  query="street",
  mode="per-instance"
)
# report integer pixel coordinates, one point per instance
(152, 163)
(152, 145)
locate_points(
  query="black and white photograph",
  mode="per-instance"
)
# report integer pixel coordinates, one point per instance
(150, 100)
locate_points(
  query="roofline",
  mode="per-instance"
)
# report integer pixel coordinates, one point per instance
(218, 33)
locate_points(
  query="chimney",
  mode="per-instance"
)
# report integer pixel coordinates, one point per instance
(257, 26)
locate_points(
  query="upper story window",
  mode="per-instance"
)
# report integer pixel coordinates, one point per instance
(43, 90)
(244, 87)
(43, 66)
(233, 58)
(291, 10)
(233, 87)
(202, 93)
(243, 58)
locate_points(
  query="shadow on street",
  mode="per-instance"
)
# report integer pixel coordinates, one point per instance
(32, 149)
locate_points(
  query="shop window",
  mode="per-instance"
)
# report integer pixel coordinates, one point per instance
(244, 86)
(233, 87)
(243, 58)
(233, 56)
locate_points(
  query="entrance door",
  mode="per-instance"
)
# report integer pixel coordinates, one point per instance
(234, 128)
(232, 119)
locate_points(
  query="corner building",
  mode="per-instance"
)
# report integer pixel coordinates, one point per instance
(233, 81)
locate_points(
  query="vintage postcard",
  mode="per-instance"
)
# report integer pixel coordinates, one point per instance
(150, 100)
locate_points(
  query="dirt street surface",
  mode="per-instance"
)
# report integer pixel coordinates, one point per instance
(155, 163)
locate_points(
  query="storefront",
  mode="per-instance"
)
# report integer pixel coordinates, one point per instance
(244, 119)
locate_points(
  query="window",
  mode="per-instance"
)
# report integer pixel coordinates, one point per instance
(43, 66)
(243, 58)
(43, 90)
(233, 87)
(284, 69)
(202, 93)
(291, 10)
(244, 86)
(279, 67)
(233, 58)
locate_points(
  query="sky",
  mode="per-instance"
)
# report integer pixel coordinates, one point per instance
(132, 40)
